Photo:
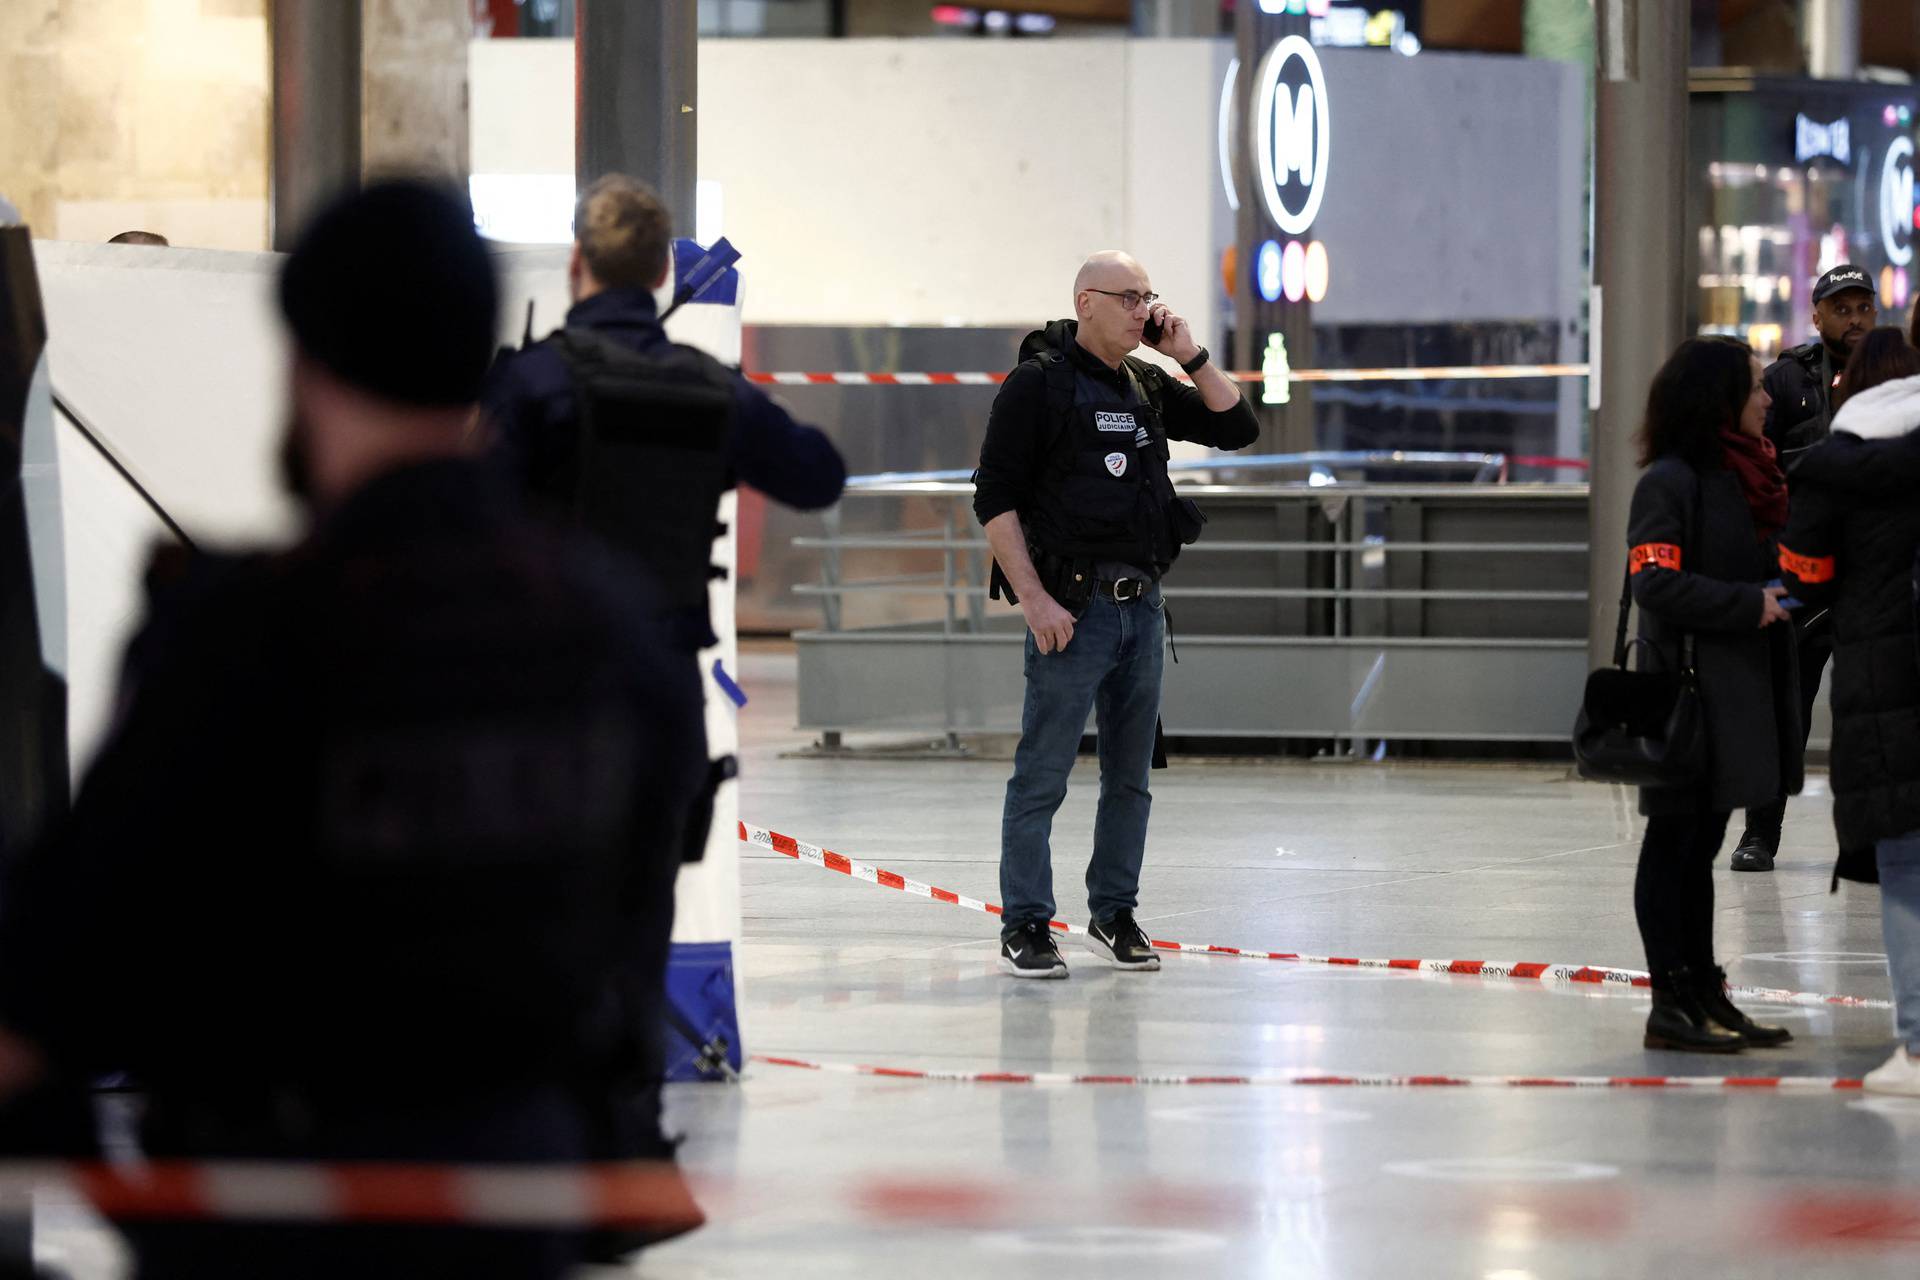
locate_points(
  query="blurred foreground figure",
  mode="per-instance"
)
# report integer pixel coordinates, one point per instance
(350, 876)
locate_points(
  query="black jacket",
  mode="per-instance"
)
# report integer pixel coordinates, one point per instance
(1699, 567)
(1801, 385)
(1850, 545)
(377, 818)
(1023, 447)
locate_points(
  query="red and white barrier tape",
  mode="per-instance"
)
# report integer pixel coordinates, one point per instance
(1860, 1218)
(1435, 373)
(801, 851)
(636, 1194)
(1319, 1079)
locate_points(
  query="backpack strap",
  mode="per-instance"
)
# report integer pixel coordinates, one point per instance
(1062, 387)
(1149, 380)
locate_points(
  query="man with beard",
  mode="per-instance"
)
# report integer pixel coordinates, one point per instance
(1801, 383)
(379, 813)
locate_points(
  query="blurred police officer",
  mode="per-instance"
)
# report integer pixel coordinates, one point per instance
(1084, 522)
(633, 436)
(379, 813)
(616, 429)
(1801, 383)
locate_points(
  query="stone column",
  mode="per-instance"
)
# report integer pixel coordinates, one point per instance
(414, 112)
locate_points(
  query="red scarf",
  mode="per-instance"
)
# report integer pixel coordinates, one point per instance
(1752, 458)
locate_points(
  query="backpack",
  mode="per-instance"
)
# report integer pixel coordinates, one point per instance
(649, 462)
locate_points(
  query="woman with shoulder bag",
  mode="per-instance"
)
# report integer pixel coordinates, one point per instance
(1852, 544)
(1701, 553)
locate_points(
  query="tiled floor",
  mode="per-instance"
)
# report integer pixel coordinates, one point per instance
(823, 1175)
(819, 1175)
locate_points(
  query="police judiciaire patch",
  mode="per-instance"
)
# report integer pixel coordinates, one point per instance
(1113, 421)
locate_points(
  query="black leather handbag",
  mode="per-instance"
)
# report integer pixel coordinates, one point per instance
(1643, 728)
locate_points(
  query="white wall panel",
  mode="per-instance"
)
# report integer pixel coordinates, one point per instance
(918, 181)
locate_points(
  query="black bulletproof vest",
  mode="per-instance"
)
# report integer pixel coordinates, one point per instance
(1105, 492)
(649, 461)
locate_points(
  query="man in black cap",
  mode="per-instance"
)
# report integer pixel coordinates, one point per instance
(1801, 381)
(381, 813)
(1801, 385)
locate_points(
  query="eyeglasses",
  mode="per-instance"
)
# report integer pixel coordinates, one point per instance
(1131, 299)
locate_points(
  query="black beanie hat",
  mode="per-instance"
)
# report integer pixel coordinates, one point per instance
(391, 288)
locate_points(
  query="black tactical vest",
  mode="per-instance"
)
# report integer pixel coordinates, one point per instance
(649, 462)
(1104, 494)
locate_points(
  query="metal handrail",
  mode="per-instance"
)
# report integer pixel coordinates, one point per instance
(888, 588)
(956, 583)
(912, 540)
(1339, 588)
(1488, 466)
(1336, 488)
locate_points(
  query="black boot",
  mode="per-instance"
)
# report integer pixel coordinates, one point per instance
(1755, 852)
(1710, 988)
(1679, 1022)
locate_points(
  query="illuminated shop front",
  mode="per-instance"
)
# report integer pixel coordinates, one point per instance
(1792, 177)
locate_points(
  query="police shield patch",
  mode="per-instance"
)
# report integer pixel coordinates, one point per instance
(1117, 463)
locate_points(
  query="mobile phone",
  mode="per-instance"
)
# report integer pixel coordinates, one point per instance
(1153, 330)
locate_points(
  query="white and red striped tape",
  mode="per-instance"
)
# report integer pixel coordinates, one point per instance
(1435, 373)
(1321, 1079)
(558, 1195)
(801, 851)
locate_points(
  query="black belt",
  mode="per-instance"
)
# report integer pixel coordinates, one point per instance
(1123, 589)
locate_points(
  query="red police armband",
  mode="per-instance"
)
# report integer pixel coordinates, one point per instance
(1650, 555)
(1807, 568)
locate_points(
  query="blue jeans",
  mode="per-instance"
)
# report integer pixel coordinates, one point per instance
(1111, 667)
(1899, 859)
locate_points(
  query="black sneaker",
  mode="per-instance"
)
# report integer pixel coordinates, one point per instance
(1121, 943)
(1753, 854)
(1028, 951)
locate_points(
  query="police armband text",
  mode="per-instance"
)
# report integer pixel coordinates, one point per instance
(1654, 555)
(1807, 568)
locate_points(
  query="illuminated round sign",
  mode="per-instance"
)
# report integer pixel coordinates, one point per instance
(1291, 135)
(1226, 134)
(1896, 202)
(1318, 271)
(1293, 271)
(1267, 271)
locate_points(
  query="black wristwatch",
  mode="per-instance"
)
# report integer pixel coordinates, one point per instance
(1193, 364)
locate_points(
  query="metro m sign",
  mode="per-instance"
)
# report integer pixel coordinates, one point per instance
(1291, 133)
(1896, 202)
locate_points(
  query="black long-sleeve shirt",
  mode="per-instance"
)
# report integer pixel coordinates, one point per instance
(1013, 456)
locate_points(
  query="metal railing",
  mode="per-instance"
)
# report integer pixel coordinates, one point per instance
(964, 555)
(1330, 577)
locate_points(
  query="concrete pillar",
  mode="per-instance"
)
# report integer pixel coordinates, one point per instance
(635, 91)
(414, 117)
(316, 108)
(1830, 32)
(1640, 229)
